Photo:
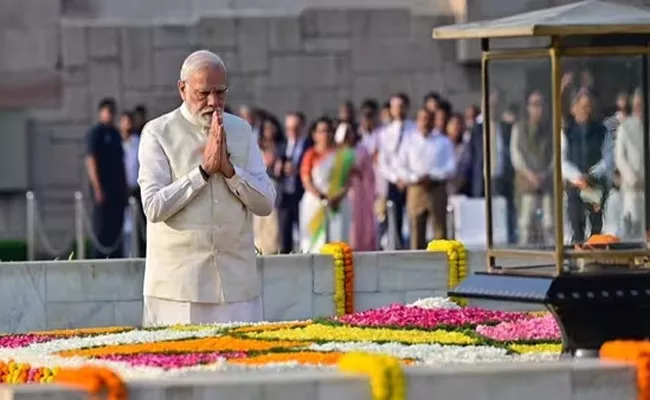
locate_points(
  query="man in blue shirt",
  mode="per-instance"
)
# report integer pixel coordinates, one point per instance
(105, 167)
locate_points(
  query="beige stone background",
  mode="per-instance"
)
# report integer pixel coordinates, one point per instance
(59, 57)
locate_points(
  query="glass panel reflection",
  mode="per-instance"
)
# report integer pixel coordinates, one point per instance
(521, 154)
(603, 160)
(602, 149)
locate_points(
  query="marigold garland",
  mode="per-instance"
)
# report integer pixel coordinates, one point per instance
(457, 261)
(635, 352)
(385, 373)
(94, 380)
(343, 276)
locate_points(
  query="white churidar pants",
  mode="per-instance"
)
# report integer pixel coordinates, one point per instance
(163, 312)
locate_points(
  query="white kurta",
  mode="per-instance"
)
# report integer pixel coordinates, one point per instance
(200, 250)
(628, 156)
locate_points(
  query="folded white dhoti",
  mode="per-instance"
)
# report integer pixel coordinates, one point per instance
(161, 312)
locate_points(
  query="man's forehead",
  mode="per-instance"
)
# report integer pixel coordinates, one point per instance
(209, 76)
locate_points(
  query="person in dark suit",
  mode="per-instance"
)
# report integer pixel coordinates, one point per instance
(587, 164)
(286, 171)
(105, 167)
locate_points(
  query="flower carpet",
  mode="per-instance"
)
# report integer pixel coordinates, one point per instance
(431, 331)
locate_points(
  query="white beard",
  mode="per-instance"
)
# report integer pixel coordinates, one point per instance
(204, 120)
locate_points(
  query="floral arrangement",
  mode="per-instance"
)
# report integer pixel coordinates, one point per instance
(429, 332)
(343, 276)
(384, 372)
(456, 259)
(602, 239)
(95, 381)
(635, 352)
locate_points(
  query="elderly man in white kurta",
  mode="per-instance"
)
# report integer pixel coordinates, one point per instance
(202, 177)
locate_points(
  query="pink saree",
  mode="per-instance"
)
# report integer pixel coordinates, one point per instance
(363, 230)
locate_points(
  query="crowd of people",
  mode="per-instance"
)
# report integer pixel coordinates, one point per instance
(335, 175)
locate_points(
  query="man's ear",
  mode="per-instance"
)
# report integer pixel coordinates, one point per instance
(181, 89)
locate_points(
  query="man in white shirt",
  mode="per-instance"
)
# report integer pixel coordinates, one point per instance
(202, 177)
(391, 138)
(631, 166)
(426, 162)
(130, 143)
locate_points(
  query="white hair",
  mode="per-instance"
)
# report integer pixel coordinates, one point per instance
(200, 59)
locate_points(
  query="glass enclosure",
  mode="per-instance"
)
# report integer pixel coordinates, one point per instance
(602, 149)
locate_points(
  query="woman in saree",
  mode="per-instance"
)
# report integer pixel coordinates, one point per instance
(325, 171)
(362, 194)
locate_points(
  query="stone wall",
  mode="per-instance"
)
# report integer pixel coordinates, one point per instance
(67, 294)
(147, 10)
(563, 380)
(73, 294)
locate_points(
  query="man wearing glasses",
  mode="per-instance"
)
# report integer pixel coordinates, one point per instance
(202, 177)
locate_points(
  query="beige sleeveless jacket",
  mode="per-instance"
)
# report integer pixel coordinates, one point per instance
(204, 252)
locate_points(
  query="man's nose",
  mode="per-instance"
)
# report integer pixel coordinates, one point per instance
(213, 99)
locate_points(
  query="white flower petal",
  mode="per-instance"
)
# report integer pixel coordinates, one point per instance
(435, 302)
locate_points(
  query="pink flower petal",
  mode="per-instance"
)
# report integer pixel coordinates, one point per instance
(403, 316)
(15, 341)
(170, 361)
(539, 328)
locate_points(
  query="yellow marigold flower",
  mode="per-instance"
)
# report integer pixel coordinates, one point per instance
(536, 348)
(336, 333)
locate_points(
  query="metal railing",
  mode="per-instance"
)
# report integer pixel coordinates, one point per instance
(37, 237)
(82, 231)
